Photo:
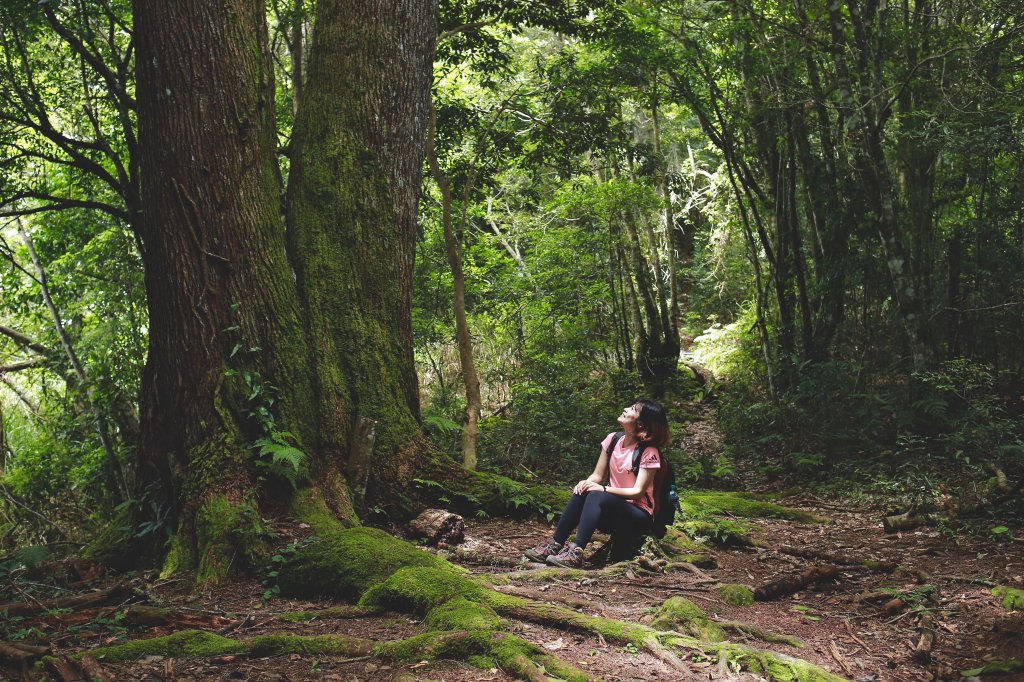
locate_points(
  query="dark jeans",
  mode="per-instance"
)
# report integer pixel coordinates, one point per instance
(604, 512)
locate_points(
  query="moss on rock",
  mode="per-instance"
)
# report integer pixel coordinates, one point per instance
(682, 615)
(737, 595)
(1011, 598)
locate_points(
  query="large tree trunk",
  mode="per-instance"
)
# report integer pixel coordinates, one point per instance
(357, 155)
(225, 333)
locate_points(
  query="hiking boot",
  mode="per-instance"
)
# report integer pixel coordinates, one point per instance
(541, 553)
(570, 557)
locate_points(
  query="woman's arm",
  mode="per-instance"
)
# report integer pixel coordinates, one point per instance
(644, 480)
(594, 479)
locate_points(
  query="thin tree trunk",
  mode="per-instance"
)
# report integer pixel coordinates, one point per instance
(115, 472)
(453, 251)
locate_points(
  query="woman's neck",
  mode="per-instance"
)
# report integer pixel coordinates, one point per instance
(629, 439)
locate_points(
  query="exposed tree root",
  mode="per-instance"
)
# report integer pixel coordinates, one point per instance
(463, 617)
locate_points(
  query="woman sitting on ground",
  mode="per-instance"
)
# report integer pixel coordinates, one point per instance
(624, 505)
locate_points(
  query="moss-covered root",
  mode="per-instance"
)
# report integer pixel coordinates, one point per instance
(484, 649)
(1009, 667)
(773, 666)
(763, 635)
(345, 563)
(335, 612)
(744, 505)
(1012, 598)
(199, 644)
(682, 615)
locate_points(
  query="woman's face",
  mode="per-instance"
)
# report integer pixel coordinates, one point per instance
(629, 416)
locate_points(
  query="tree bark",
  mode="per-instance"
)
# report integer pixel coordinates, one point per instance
(357, 155)
(228, 359)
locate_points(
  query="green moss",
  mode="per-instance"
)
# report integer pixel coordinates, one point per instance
(719, 531)
(344, 564)
(1012, 598)
(226, 531)
(1008, 667)
(418, 589)
(313, 512)
(179, 559)
(430, 646)
(743, 505)
(324, 614)
(330, 645)
(737, 595)
(775, 667)
(698, 560)
(682, 615)
(185, 643)
(459, 613)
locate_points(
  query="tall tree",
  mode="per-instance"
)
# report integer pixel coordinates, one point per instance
(248, 345)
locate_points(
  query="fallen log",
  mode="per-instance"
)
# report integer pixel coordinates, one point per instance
(871, 597)
(14, 656)
(837, 559)
(906, 521)
(790, 584)
(112, 595)
(141, 615)
(37, 651)
(438, 526)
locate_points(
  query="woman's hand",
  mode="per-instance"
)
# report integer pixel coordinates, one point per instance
(587, 486)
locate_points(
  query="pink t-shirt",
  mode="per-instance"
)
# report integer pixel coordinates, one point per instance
(620, 469)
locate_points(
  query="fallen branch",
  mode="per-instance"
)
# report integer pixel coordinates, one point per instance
(837, 559)
(925, 640)
(790, 584)
(112, 595)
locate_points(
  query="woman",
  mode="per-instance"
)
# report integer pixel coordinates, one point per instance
(625, 504)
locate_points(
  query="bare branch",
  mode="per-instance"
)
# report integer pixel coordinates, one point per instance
(25, 341)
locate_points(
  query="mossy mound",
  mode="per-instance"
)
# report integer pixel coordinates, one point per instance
(682, 615)
(418, 589)
(459, 613)
(344, 564)
(719, 531)
(737, 595)
(744, 505)
(1012, 598)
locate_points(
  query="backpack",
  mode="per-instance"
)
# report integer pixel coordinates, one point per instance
(666, 497)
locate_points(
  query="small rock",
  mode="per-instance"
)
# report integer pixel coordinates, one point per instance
(151, 659)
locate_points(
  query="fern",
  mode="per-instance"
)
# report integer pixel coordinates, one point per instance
(280, 459)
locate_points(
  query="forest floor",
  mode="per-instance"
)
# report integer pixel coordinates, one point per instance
(858, 640)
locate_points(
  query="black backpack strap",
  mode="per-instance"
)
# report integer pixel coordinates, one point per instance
(615, 441)
(637, 454)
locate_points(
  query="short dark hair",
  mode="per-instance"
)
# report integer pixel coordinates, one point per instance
(653, 421)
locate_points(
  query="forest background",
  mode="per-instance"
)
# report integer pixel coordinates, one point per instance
(809, 214)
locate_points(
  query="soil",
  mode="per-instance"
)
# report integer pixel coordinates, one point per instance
(860, 641)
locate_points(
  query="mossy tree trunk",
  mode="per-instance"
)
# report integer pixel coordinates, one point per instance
(357, 155)
(253, 335)
(225, 332)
